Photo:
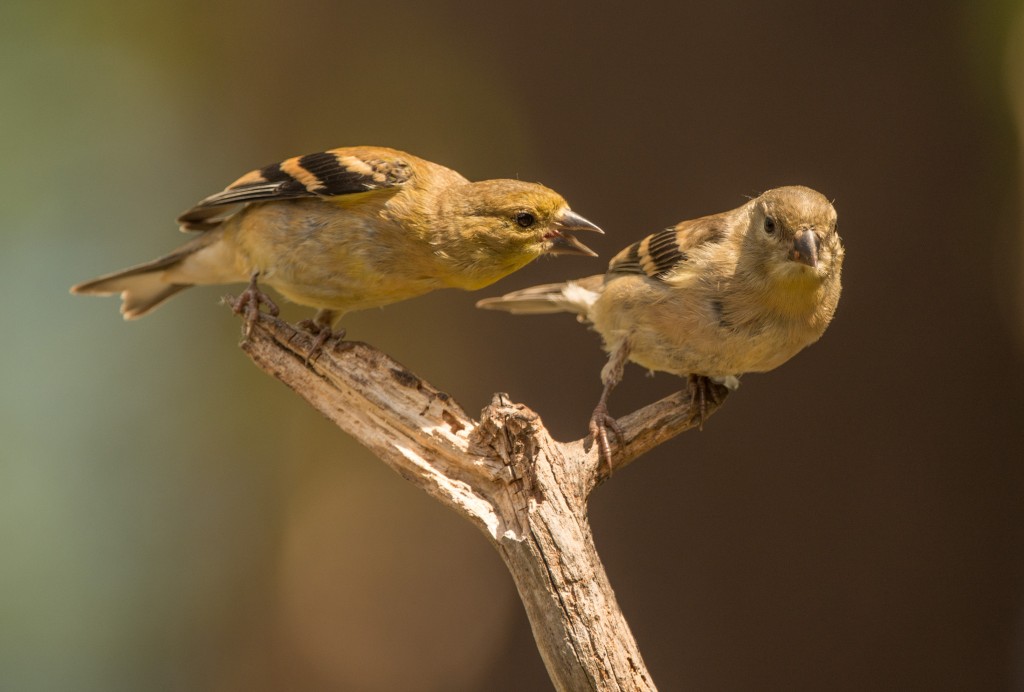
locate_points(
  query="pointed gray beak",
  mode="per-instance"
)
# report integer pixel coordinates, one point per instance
(568, 220)
(805, 248)
(564, 244)
(567, 245)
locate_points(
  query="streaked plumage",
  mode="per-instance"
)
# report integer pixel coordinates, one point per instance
(354, 228)
(716, 297)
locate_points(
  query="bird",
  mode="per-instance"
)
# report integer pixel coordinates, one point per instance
(352, 228)
(709, 299)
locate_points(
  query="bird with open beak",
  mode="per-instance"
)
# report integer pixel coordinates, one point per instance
(353, 228)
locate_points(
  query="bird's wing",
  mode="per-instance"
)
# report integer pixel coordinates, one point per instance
(660, 254)
(331, 173)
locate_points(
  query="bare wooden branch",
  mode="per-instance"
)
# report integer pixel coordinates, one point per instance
(525, 491)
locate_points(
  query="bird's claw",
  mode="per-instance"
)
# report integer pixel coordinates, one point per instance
(248, 304)
(702, 390)
(600, 422)
(321, 335)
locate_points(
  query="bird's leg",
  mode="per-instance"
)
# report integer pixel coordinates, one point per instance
(600, 419)
(321, 327)
(248, 303)
(701, 391)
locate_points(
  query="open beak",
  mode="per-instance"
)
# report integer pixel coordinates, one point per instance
(564, 244)
(805, 248)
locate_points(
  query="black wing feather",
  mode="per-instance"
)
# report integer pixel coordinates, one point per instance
(323, 174)
(659, 254)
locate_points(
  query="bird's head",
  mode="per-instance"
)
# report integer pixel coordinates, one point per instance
(504, 224)
(792, 235)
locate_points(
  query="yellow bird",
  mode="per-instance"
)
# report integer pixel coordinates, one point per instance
(353, 228)
(714, 297)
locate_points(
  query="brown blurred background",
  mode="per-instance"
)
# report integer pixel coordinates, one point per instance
(173, 519)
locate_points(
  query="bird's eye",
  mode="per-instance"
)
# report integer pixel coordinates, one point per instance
(769, 225)
(525, 219)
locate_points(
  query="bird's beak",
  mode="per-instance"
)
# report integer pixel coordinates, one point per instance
(568, 220)
(805, 248)
(564, 244)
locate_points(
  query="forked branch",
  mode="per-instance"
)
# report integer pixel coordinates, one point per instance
(504, 472)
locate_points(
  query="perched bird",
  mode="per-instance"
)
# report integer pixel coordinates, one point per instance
(714, 297)
(353, 228)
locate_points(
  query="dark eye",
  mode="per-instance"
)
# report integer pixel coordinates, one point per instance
(525, 219)
(769, 225)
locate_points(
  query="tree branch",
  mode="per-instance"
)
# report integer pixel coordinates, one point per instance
(525, 491)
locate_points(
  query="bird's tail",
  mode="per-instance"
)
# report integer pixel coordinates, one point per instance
(571, 296)
(145, 286)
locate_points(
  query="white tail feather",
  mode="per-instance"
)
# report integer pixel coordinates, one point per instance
(572, 296)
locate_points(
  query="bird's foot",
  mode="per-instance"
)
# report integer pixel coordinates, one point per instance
(600, 422)
(322, 333)
(248, 304)
(702, 390)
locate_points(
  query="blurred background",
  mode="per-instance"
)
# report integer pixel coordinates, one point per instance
(173, 519)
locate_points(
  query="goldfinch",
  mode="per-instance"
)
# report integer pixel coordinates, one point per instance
(353, 228)
(715, 297)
